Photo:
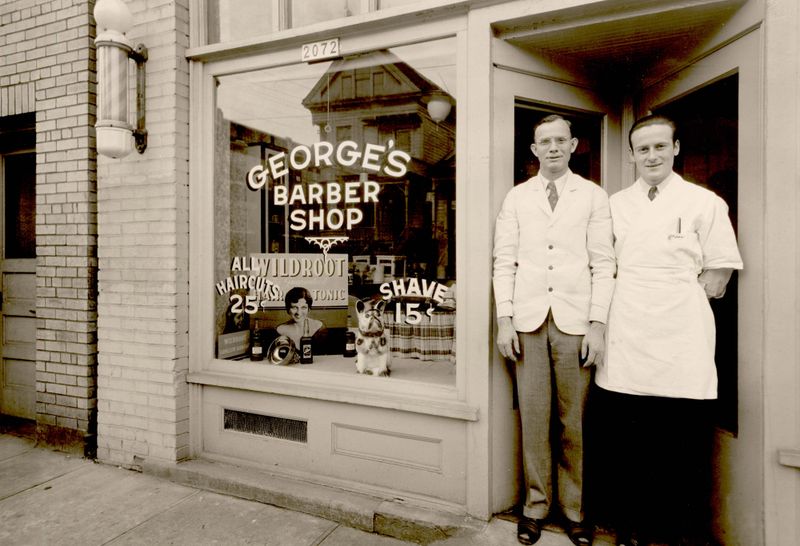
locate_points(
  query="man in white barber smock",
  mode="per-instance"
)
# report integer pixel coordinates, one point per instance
(675, 249)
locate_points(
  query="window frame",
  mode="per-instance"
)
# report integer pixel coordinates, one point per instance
(204, 368)
(282, 15)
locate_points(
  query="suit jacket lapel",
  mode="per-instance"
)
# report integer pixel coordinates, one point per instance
(567, 196)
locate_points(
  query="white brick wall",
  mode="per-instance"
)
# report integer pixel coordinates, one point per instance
(46, 67)
(143, 402)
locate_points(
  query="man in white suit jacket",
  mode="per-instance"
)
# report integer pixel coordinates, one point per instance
(553, 280)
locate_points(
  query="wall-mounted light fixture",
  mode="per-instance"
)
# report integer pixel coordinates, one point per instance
(439, 105)
(114, 52)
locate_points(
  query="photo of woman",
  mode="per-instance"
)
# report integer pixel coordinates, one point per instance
(298, 305)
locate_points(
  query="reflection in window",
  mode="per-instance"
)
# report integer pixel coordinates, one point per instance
(334, 177)
(239, 19)
(229, 20)
(383, 4)
(308, 12)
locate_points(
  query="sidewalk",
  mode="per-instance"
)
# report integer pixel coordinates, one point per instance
(49, 498)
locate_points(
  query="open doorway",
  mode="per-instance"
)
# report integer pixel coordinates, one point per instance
(586, 127)
(708, 125)
(18, 266)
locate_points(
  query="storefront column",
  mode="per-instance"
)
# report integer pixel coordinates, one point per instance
(143, 402)
(781, 395)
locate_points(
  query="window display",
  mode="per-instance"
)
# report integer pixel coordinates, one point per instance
(334, 193)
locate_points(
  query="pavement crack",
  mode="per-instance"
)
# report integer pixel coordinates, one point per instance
(34, 486)
(325, 535)
(155, 515)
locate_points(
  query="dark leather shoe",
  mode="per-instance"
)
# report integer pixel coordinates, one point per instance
(628, 538)
(579, 533)
(528, 530)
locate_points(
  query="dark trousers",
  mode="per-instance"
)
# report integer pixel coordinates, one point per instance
(650, 463)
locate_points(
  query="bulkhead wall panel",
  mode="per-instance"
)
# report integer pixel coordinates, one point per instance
(391, 453)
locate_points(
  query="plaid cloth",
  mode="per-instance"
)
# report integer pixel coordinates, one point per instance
(433, 338)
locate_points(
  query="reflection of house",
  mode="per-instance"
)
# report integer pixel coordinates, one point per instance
(376, 98)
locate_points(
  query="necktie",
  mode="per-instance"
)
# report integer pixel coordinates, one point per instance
(552, 195)
(651, 193)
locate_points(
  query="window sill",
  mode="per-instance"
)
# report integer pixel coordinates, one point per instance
(414, 386)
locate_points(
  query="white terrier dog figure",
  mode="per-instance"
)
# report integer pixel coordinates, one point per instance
(372, 339)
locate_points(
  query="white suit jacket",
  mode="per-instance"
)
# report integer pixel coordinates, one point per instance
(560, 259)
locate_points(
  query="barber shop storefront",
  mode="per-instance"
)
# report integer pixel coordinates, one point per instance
(326, 199)
(355, 160)
(294, 268)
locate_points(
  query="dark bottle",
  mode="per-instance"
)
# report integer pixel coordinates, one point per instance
(349, 344)
(306, 351)
(257, 346)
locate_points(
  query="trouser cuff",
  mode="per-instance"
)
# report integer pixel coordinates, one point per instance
(572, 515)
(535, 512)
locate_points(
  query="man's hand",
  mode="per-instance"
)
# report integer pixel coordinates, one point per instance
(507, 340)
(714, 281)
(593, 345)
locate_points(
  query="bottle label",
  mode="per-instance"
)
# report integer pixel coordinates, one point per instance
(306, 354)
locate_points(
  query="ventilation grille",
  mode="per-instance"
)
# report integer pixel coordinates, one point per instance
(266, 425)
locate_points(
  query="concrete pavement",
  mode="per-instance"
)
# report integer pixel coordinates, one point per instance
(50, 498)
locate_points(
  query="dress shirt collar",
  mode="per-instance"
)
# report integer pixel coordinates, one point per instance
(561, 182)
(644, 187)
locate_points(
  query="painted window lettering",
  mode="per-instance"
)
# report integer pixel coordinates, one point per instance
(345, 154)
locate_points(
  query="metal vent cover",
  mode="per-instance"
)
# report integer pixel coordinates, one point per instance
(266, 425)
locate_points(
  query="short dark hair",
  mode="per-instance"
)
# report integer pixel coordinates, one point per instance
(550, 119)
(296, 294)
(653, 119)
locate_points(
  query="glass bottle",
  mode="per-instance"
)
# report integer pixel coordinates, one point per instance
(257, 346)
(349, 344)
(306, 351)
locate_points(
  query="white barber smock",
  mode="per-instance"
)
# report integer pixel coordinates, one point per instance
(661, 331)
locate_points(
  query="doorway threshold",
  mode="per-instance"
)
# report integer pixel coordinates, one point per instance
(17, 426)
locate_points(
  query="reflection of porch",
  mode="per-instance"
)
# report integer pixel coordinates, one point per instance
(433, 339)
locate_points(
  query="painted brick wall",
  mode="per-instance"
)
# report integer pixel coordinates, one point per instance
(46, 67)
(142, 199)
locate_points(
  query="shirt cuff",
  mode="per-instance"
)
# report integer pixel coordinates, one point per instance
(505, 309)
(598, 313)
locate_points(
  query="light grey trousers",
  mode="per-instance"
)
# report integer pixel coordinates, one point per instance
(552, 389)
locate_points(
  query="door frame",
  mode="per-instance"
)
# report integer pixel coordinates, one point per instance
(519, 76)
(24, 404)
(739, 483)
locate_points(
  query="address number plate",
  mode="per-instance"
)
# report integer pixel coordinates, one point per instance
(318, 51)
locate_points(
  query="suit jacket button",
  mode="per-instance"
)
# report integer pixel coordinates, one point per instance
(550, 247)
(550, 289)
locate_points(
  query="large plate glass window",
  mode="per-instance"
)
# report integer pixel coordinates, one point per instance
(334, 194)
(230, 20)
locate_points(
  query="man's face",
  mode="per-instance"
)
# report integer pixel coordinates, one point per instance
(298, 310)
(553, 145)
(654, 152)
